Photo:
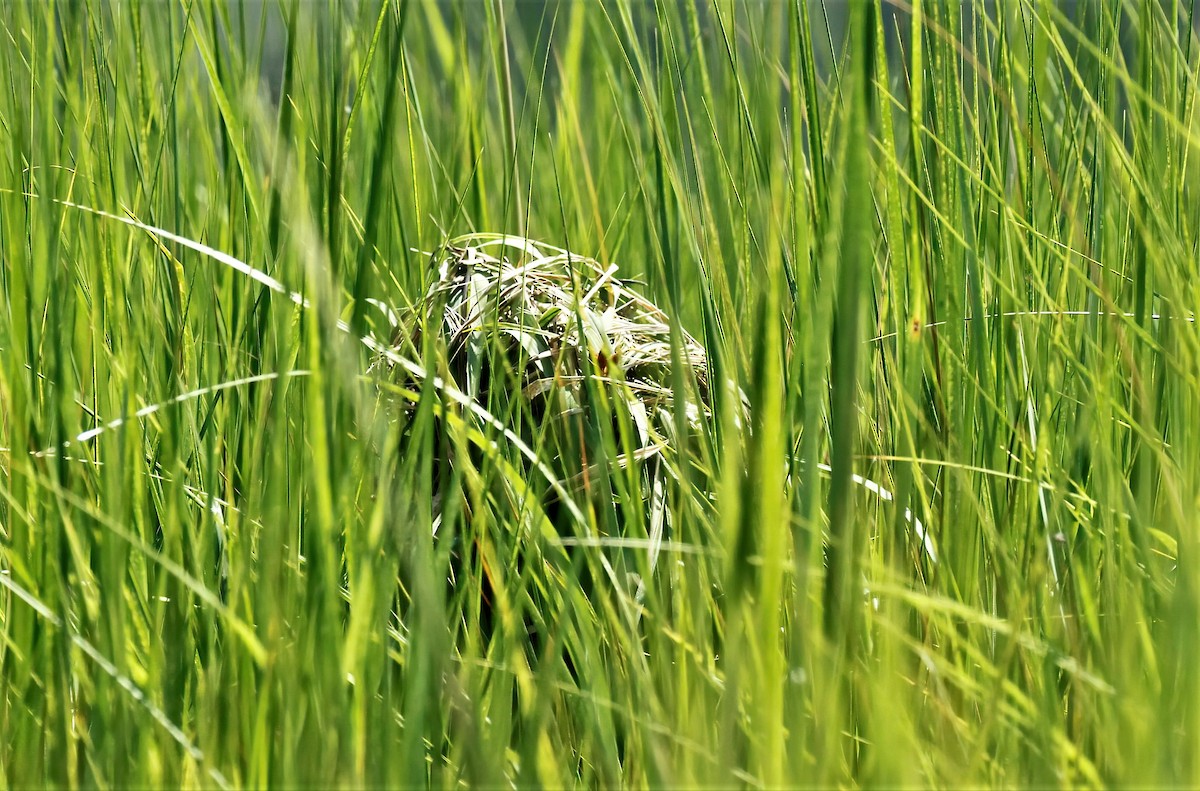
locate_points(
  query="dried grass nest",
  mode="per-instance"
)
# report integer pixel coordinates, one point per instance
(526, 317)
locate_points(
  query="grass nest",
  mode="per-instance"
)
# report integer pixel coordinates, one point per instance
(575, 361)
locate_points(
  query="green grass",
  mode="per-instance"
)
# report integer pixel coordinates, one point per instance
(961, 267)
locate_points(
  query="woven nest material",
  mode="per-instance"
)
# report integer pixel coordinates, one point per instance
(550, 319)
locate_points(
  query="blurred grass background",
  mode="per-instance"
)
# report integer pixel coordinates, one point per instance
(950, 247)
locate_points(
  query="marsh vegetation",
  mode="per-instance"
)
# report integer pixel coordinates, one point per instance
(596, 394)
